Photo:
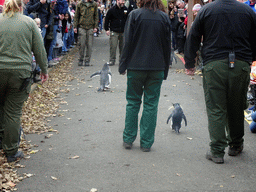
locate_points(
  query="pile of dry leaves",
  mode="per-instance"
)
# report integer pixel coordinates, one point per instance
(41, 104)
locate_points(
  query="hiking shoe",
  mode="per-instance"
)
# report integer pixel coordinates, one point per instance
(52, 62)
(234, 151)
(111, 63)
(80, 63)
(127, 145)
(145, 149)
(15, 157)
(86, 63)
(217, 160)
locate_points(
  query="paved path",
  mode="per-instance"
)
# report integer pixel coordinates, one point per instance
(94, 133)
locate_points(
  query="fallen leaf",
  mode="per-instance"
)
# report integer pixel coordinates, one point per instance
(11, 184)
(28, 175)
(75, 157)
(33, 151)
(53, 130)
(54, 178)
(93, 190)
(178, 174)
(221, 186)
(233, 176)
(189, 138)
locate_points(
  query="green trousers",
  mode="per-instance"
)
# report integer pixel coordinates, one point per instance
(149, 83)
(85, 43)
(11, 103)
(225, 92)
(113, 41)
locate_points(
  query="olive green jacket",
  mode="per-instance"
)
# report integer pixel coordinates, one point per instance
(19, 37)
(86, 15)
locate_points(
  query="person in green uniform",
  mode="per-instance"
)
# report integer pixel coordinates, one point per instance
(146, 57)
(19, 37)
(228, 29)
(86, 19)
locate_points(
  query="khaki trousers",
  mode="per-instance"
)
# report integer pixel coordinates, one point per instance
(115, 38)
(85, 43)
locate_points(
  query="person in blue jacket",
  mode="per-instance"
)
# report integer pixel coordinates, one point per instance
(252, 4)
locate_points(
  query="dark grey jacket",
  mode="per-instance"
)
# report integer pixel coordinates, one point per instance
(225, 25)
(147, 41)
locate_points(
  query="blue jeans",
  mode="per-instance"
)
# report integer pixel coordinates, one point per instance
(53, 43)
(43, 32)
(71, 38)
(65, 41)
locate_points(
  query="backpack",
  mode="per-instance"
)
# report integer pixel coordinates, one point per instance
(61, 7)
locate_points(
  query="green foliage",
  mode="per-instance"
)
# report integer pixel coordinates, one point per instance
(165, 3)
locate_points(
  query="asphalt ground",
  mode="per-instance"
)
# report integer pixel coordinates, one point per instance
(91, 127)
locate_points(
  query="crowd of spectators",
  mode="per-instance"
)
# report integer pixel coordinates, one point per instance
(178, 13)
(56, 22)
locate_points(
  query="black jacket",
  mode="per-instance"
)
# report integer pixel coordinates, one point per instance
(174, 23)
(225, 25)
(147, 43)
(180, 30)
(43, 11)
(115, 19)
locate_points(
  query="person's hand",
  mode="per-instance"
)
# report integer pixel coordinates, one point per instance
(61, 16)
(95, 30)
(108, 32)
(44, 77)
(123, 73)
(43, 1)
(75, 30)
(46, 26)
(190, 71)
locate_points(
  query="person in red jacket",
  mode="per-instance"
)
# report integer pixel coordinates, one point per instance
(1, 5)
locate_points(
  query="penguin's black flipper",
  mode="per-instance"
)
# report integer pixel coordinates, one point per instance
(184, 117)
(95, 74)
(169, 118)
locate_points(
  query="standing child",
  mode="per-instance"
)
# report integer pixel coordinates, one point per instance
(65, 28)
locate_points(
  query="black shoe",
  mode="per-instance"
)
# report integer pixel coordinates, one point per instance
(111, 63)
(50, 66)
(217, 160)
(80, 63)
(15, 157)
(127, 145)
(87, 63)
(234, 151)
(1, 145)
(145, 149)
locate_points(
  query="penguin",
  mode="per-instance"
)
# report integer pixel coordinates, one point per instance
(105, 77)
(177, 115)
